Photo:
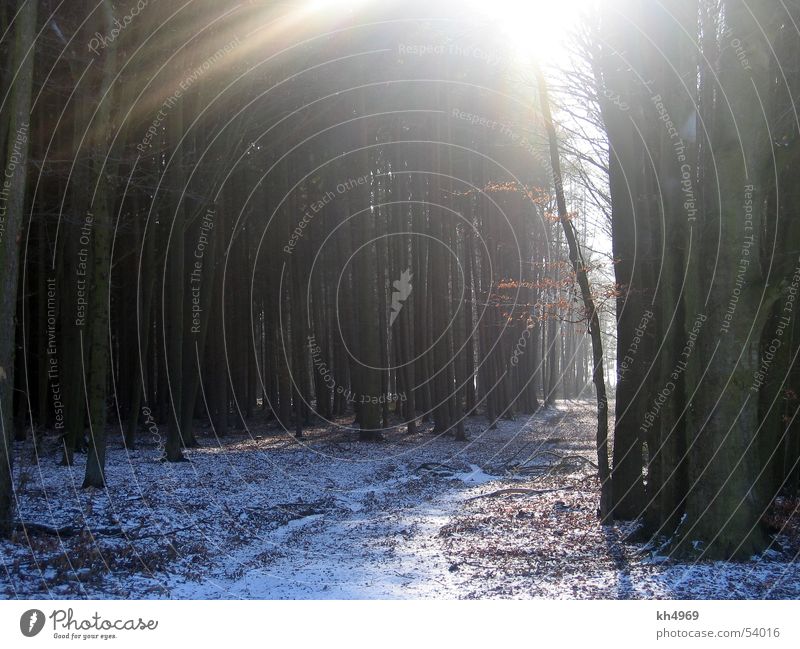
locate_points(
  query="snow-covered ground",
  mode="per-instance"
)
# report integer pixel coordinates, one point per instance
(266, 516)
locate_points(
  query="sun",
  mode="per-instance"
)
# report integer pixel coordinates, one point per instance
(535, 29)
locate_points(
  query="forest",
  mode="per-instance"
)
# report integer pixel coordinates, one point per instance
(353, 299)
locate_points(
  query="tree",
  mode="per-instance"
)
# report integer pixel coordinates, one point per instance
(13, 191)
(582, 277)
(99, 221)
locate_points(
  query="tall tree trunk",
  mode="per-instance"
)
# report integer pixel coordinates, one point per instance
(633, 251)
(723, 505)
(99, 340)
(175, 280)
(13, 196)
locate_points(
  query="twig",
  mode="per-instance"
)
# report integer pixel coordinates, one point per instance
(69, 530)
(436, 467)
(66, 531)
(156, 535)
(517, 491)
(563, 462)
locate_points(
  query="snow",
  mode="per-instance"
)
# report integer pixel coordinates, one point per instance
(262, 515)
(475, 475)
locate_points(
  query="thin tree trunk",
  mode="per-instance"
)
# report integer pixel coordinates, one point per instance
(579, 266)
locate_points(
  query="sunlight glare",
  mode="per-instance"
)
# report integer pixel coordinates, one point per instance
(535, 29)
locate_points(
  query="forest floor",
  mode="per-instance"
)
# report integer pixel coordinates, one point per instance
(327, 517)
